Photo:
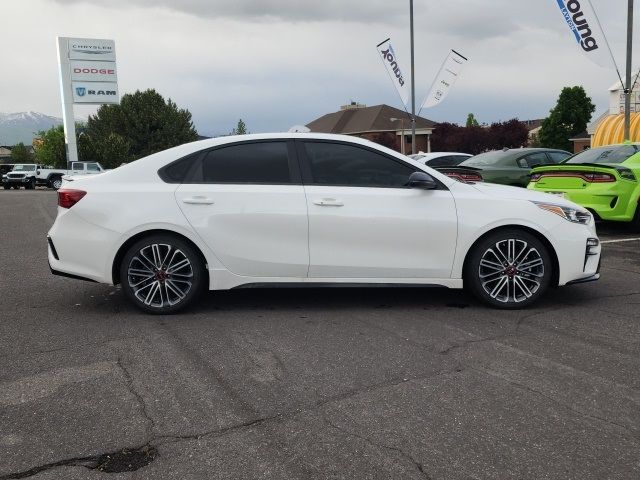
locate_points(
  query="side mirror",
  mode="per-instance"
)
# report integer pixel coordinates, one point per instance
(37, 172)
(422, 180)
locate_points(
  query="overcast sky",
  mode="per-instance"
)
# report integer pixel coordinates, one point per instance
(276, 63)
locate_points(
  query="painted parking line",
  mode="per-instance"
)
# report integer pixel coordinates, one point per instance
(620, 240)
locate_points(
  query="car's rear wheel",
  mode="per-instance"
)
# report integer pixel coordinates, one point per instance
(56, 183)
(162, 274)
(509, 269)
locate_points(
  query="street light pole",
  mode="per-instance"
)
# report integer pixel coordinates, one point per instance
(628, 89)
(413, 83)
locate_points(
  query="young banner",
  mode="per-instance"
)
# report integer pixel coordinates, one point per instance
(446, 78)
(390, 60)
(587, 32)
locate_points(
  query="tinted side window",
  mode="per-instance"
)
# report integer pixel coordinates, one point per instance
(536, 159)
(340, 164)
(557, 157)
(77, 166)
(93, 167)
(176, 172)
(458, 159)
(258, 162)
(440, 162)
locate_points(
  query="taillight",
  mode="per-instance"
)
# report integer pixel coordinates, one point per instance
(586, 176)
(464, 177)
(470, 177)
(600, 177)
(68, 197)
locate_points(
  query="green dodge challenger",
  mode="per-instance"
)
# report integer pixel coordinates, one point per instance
(605, 180)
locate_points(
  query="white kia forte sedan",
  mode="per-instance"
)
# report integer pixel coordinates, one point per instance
(311, 209)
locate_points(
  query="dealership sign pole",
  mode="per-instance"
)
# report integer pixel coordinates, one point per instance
(629, 88)
(88, 75)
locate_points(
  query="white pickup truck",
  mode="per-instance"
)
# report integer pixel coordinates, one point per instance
(28, 175)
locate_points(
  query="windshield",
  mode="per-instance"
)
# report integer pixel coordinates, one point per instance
(488, 158)
(24, 168)
(608, 154)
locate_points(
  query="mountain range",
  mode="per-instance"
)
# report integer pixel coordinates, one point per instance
(23, 126)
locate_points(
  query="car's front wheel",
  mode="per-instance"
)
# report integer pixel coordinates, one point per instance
(509, 269)
(162, 274)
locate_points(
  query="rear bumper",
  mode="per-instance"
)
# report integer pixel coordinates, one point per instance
(80, 249)
(70, 275)
(613, 203)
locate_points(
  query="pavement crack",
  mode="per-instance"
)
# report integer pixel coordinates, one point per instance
(218, 432)
(141, 401)
(417, 465)
(124, 460)
(291, 413)
(527, 388)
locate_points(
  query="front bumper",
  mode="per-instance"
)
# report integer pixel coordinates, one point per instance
(16, 181)
(578, 251)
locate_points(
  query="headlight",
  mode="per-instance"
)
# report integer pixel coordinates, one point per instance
(571, 214)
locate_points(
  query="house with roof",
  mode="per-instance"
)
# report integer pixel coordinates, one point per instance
(5, 154)
(381, 123)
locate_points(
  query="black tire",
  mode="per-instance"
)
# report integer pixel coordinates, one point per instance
(6, 187)
(55, 183)
(495, 277)
(31, 185)
(634, 224)
(16, 187)
(147, 278)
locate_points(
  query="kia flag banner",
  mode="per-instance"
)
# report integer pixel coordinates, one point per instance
(445, 79)
(586, 30)
(390, 60)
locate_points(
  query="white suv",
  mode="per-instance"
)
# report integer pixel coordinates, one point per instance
(311, 209)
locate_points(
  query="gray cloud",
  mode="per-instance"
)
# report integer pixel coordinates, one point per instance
(276, 63)
(381, 11)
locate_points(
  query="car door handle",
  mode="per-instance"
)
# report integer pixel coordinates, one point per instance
(198, 200)
(328, 202)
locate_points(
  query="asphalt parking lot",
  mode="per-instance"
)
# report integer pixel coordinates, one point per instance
(322, 383)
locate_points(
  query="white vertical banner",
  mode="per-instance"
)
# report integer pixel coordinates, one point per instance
(390, 61)
(445, 79)
(585, 27)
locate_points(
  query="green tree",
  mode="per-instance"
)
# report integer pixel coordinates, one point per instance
(143, 123)
(567, 119)
(241, 128)
(471, 121)
(20, 154)
(50, 149)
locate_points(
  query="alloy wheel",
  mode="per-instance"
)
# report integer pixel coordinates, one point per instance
(160, 275)
(511, 271)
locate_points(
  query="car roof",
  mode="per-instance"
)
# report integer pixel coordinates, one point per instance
(523, 151)
(158, 159)
(432, 155)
